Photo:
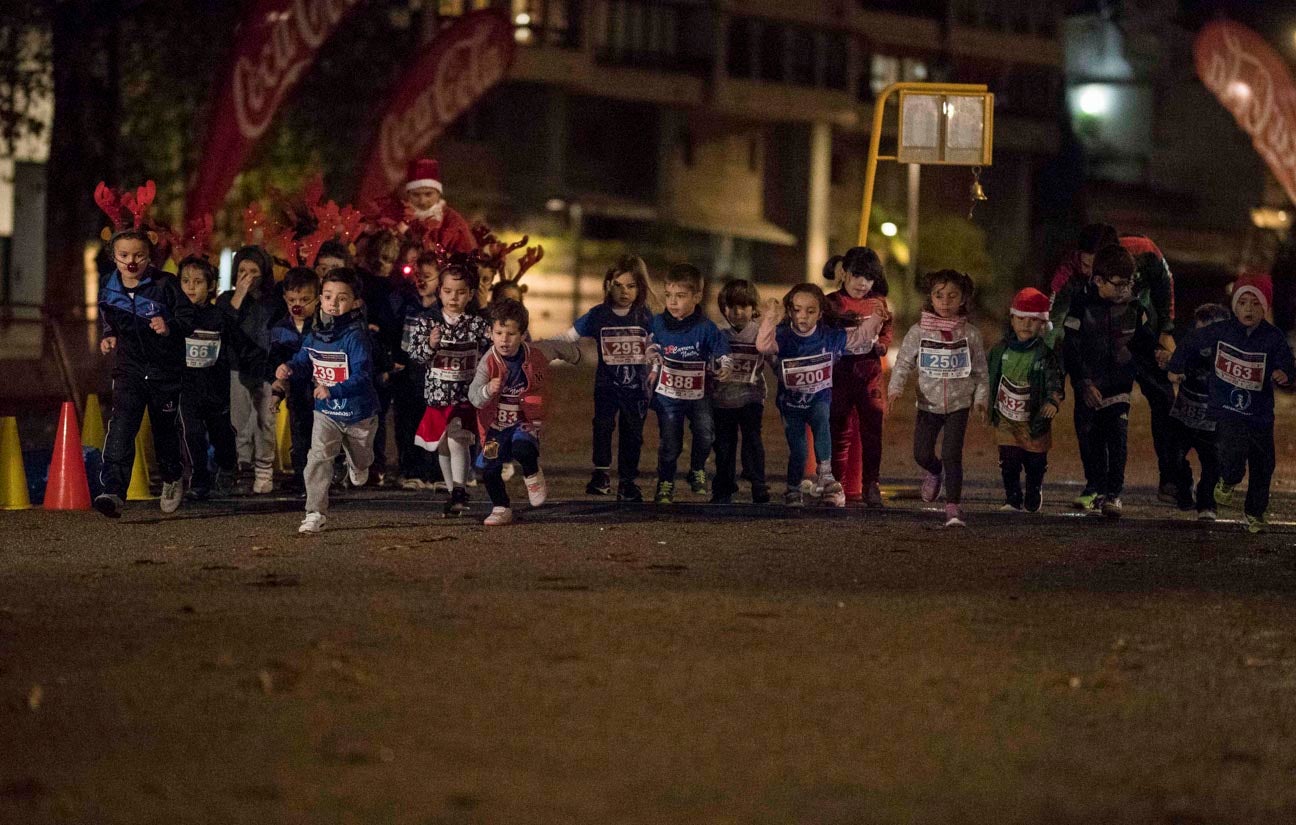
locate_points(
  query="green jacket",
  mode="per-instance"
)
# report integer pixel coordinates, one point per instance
(1045, 378)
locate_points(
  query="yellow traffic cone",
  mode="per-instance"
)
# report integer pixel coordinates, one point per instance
(283, 440)
(139, 483)
(146, 438)
(13, 476)
(92, 433)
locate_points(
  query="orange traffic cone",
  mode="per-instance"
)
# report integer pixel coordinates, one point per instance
(92, 428)
(67, 488)
(13, 476)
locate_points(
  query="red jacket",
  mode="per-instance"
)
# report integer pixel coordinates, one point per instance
(535, 370)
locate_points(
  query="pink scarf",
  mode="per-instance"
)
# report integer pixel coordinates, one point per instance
(932, 321)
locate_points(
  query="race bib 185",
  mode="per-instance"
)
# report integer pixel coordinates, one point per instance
(1191, 408)
(682, 380)
(945, 359)
(329, 368)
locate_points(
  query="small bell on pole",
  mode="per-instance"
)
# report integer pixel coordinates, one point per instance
(977, 191)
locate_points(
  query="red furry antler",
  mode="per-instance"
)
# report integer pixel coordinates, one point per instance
(109, 201)
(194, 240)
(139, 201)
(528, 260)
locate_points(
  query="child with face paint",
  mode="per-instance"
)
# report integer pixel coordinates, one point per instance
(415, 300)
(859, 397)
(947, 353)
(301, 295)
(145, 318)
(204, 392)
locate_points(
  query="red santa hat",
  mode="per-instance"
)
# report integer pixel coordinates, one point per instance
(1031, 303)
(423, 172)
(1260, 286)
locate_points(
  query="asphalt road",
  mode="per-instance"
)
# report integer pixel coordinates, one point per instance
(604, 664)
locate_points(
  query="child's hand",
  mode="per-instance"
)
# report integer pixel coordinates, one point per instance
(1093, 397)
(243, 284)
(158, 325)
(872, 325)
(284, 372)
(434, 337)
(980, 410)
(1048, 411)
(493, 387)
(1163, 358)
(772, 311)
(321, 392)
(1280, 378)
(724, 372)
(880, 349)
(108, 344)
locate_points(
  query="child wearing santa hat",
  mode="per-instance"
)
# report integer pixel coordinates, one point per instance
(425, 196)
(1026, 379)
(1251, 355)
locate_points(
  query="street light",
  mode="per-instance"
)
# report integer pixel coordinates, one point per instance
(889, 229)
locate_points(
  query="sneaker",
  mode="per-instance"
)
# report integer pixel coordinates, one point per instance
(223, 483)
(363, 477)
(313, 523)
(1010, 508)
(1111, 506)
(1087, 500)
(826, 485)
(722, 498)
(1034, 500)
(1168, 493)
(600, 484)
(1224, 494)
(416, 484)
(931, 485)
(760, 495)
(109, 505)
(1206, 515)
(537, 491)
(698, 482)
(499, 516)
(198, 493)
(629, 491)
(263, 483)
(793, 498)
(665, 492)
(508, 471)
(873, 497)
(837, 499)
(1254, 524)
(172, 493)
(954, 516)
(456, 503)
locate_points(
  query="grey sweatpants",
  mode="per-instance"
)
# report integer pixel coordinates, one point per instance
(328, 437)
(252, 411)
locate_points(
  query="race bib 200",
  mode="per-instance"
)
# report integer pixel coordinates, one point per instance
(329, 368)
(809, 374)
(945, 359)
(682, 380)
(623, 346)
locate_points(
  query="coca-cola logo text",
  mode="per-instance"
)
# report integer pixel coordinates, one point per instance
(289, 37)
(1254, 84)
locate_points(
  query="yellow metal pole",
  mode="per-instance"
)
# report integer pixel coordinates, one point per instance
(875, 137)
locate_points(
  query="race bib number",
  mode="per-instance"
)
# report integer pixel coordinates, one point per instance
(509, 413)
(455, 362)
(623, 346)
(1191, 408)
(329, 368)
(809, 374)
(746, 361)
(945, 359)
(1244, 370)
(1013, 400)
(682, 380)
(202, 348)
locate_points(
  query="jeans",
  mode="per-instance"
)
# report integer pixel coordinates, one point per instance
(131, 396)
(1159, 392)
(624, 408)
(1012, 460)
(729, 424)
(926, 429)
(1244, 447)
(1103, 438)
(670, 424)
(795, 422)
(514, 445)
(1205, 443)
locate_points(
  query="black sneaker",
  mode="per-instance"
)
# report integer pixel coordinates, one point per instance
(109, 505)
(600, 484)
(457, 503)
(665, 492)
(1034, 499)
(721, 498)
(629, 491)
(698, 482)
(760, 495)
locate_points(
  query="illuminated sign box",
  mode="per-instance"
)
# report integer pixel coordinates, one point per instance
(954, 129)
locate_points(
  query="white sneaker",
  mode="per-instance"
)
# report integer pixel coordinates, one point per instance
(263, 483)
(359, 478)
(313, 523)
(537, 492)
(499, 516)
(508, 471)
(837, 499)
(1010, 508)
(172, 493)
(1206, 515)
(825, 484)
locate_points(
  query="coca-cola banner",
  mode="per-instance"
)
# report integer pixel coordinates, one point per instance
(274, 46)
(457, 68)
(1254, 83)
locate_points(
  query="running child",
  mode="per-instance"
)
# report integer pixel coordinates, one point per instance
(685, 344)
(949, 357)
(1196, 423)
(301, 288)
(1251, 356)
(337, 354)
(1026, 377)
(449, 343)
(805, 347)
(413, 302)
(859, 397)
(739, 402)
(509, 390)
(620, 325)
(205, 389)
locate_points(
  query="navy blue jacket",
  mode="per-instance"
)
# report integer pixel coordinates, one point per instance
(1243, 361)
(141, 352)
(207, 358)
(340, 357)
(285, 343)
